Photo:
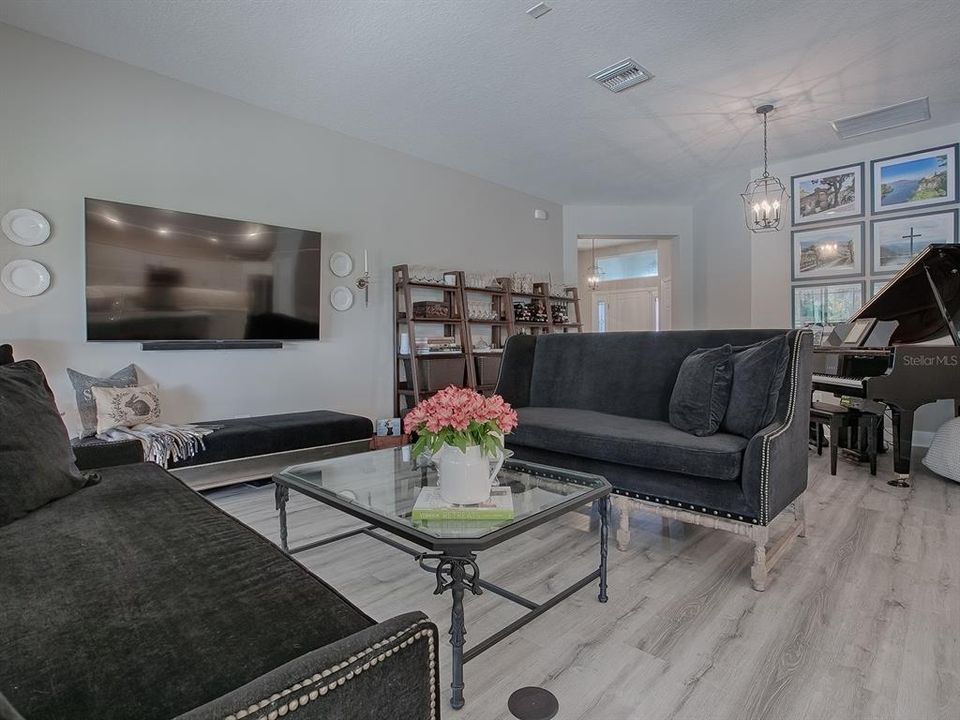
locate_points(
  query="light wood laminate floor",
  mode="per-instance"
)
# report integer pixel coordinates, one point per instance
(861, 619)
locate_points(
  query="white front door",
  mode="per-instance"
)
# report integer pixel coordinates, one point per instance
(626, 310)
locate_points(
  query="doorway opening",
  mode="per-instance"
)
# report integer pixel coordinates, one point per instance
(633, 289)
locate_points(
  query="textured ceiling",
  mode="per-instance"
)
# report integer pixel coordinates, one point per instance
(482, 87)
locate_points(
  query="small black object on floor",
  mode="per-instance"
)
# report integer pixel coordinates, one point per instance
(533, 703)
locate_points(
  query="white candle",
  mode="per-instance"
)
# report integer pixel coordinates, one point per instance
(365, 269)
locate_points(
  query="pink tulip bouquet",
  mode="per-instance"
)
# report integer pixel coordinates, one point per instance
(462, 418)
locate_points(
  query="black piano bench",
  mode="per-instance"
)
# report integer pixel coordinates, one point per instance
(838, 418)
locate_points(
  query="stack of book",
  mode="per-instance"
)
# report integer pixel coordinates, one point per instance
(430, 506)
(438, 345)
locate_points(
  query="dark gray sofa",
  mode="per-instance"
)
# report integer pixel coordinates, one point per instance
(137, 598)
(599, 403)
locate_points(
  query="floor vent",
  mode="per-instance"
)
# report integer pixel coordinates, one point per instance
(625, 74)
(885, 118)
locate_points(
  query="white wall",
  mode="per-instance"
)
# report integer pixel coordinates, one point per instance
(646, 220)
(722, 260)
(74, 124)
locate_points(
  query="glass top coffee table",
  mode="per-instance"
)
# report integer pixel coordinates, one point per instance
(381, 488)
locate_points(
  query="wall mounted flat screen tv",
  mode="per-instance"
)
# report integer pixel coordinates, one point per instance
(157, 274)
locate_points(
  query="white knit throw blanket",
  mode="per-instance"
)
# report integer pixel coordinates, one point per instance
(162, 444)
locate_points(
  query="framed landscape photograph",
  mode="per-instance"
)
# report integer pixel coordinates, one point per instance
(829, 252)
(828, 194)
(894, 242)
(916, 180)
(828, 304)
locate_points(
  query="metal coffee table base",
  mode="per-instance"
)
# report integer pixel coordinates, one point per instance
(459, 574)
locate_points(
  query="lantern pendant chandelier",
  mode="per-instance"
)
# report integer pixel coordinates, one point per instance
(594, 272)
(765, 198)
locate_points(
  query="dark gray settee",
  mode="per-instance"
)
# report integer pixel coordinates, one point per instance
(599, 403)
(137, 598)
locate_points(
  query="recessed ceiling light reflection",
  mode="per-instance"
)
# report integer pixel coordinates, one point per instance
(163, 231)
(214, 240)
(111, 219)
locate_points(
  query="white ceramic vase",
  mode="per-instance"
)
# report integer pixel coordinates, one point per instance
(466, 476)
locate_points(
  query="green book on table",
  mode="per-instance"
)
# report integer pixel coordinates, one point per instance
(430, 506)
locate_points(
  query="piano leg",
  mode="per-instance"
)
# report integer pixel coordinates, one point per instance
(902, 446)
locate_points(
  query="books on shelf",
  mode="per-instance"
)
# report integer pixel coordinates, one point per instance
(431, 506)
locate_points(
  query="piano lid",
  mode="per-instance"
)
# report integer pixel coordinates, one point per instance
(909, 298)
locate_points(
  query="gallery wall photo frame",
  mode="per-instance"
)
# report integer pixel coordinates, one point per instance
(830, 252)
(836, 193)
(825, 303)
(894, 242)
(916, 180)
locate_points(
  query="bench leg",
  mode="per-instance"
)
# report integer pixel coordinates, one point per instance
(623, 524)
(834, 437)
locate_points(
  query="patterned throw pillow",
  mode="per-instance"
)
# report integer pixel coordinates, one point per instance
(83, 385)
(126, 407)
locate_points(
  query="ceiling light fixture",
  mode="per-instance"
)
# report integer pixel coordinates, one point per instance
(539, 10)
(594, 272)
(765, 197)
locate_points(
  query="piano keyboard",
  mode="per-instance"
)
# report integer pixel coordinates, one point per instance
(838, 381)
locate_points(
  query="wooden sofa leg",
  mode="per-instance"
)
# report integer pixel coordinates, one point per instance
(800, 514)
(759, 570)
(623, 525)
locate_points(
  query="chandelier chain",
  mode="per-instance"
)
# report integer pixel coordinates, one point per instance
(765, 173)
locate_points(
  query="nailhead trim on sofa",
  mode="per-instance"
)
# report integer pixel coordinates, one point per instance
(303, 699)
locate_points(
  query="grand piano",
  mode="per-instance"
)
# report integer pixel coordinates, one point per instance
(901, 348)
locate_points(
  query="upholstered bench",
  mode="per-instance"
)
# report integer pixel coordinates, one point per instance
(245, 449)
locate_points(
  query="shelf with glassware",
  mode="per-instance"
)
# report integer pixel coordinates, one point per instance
(476, 320)
(425, 361)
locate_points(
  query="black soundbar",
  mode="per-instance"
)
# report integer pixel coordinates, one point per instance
(211, 345)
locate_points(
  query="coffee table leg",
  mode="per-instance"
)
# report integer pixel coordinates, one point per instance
(604, 508)
(282, 494)
(457, 574)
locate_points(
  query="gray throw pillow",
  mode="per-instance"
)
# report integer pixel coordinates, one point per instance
(758, 372)
(86, 404)
(6, 354)
(36, 460)
(702, 390)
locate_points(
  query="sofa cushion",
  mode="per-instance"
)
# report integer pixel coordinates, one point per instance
(150, 602)
(638, 442)
(36, 460)
(261, 435)
(758, 372)
(702, 390)
(86, 403)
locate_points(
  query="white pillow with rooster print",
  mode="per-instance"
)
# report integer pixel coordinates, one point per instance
(126, 407)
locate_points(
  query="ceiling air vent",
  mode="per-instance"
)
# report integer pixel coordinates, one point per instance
(883, 119)
(625, 74)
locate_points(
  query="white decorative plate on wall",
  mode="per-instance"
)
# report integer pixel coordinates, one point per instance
(341, 297)
(25, 277)
(341, 264)
(25, 227)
